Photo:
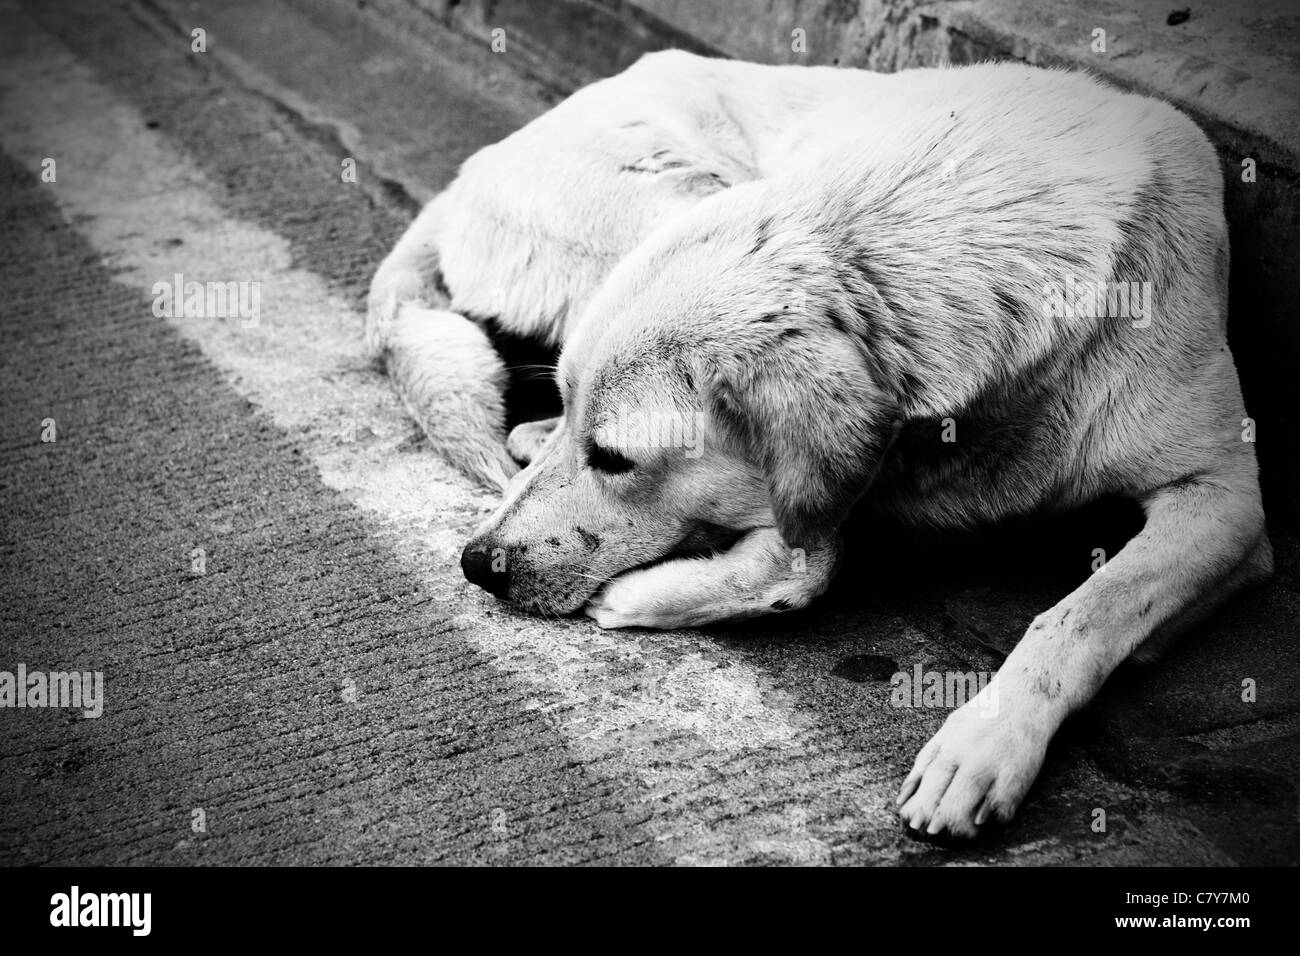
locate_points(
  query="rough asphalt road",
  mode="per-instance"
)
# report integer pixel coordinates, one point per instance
(329, 689)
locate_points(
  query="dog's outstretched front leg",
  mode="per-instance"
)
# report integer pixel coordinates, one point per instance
(760, 574)
(1202, 540)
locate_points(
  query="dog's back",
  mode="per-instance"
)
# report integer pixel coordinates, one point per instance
(1052, 258)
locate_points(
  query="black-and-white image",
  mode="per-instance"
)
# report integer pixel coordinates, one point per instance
(649, 433)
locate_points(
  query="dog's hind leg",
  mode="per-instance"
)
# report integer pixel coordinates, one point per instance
(452, 382)
(758, 575)
(408, 275)
(1204, 537)
(442, 365)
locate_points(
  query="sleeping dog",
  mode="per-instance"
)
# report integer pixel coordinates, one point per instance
(957, 295)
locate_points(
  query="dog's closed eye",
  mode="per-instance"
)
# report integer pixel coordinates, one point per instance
(608, 460)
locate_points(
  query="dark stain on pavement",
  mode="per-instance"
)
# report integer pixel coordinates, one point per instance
(866, 668)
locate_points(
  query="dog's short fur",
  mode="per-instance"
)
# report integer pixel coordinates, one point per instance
(828, 284)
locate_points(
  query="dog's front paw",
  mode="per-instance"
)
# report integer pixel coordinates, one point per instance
(754, 577)
(608, 616)
(627, 602)
(666, 597)
(976, 769)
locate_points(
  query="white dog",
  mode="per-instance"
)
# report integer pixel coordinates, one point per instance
(956, 294)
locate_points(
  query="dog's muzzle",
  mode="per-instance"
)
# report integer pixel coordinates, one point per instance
(482, 566)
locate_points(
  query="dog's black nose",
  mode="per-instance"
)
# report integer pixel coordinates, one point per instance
(486, 567)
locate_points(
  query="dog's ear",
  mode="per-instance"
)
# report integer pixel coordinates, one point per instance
(815, 420)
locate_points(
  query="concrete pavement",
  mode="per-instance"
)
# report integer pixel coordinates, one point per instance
(328, 689)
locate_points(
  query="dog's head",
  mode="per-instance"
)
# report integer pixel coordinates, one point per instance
(717, 384)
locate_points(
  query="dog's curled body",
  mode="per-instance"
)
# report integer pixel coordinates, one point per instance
(859, 285)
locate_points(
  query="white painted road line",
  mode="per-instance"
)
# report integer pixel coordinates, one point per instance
(669, 709)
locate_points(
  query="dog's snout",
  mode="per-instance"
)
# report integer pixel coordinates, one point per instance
(486, 567)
